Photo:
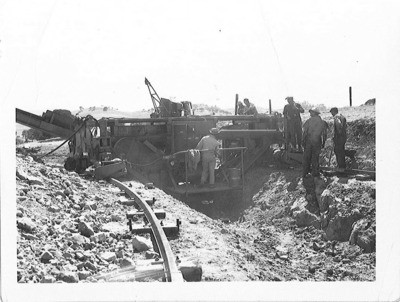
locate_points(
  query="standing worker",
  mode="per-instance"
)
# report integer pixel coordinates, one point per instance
(314, 137)
(292, 120)
(208, 147)
(249, 108)
(339, 137)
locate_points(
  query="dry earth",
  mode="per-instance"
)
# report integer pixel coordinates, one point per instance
(72, 228)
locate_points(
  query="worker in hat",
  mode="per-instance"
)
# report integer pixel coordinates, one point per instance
(249, 108)
(339, 137)
(292, 124)
(240, 108)
(314, 138)
(208, 147)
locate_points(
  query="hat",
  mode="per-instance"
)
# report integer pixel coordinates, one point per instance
(334, 109)
(214, 131)
(314, 109)
(289, 98)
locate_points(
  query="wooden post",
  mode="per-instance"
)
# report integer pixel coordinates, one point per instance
(236, 104)
(351, 102)
(270, 107)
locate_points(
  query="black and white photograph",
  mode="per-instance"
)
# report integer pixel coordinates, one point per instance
(200, 150)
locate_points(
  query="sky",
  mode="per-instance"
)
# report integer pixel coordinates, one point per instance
(58, 54)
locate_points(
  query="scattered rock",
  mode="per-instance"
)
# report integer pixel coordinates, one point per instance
(68, 277)
(79, 239)
(108, 256)
(340, 227)
(114, 227)
(68, 192)
(366, 239)
(90, 266)
(90, 205)
(46, 257)
(151, 255)
(35, 181)
(326, 200)
(60, 193)
(141, 244)
(304, 218)
(115, 217)
(29, 236)
(99, 237)
(22, 174)
(54, 208)
(125, 262)
(85, 229)
(80, 256)
(83, 275)
(119, 254)
(191, 271)
(48, 279)
(26, 224)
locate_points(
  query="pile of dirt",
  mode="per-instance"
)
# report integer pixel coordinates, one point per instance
(338, 244)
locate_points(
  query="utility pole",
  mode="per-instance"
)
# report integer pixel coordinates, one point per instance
(236, 104)
(270, 107)
(351, 102)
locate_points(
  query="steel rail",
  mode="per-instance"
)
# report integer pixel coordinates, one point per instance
(172, 273)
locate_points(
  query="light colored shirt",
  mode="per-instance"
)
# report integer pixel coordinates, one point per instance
(340, 126)
(251, 110)
(210, 145)
(314, 130)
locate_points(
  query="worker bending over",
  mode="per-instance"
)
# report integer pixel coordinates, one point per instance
(249, 108)
(208, 147)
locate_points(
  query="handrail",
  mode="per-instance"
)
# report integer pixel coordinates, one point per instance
(171, 270)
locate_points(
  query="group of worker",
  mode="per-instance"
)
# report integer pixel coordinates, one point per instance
(247, 108)
(309, 138)
(312, 136)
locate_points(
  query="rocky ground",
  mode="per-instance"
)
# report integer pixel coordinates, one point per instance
(73, 228)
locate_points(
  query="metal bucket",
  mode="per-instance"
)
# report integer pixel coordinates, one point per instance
(234, 176)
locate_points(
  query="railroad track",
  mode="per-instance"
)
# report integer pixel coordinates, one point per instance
(171, 271)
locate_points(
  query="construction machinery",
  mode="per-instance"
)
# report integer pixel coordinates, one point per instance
(157, 149)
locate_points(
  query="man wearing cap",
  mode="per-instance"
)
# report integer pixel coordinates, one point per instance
(249, 108)
(292, 120)
(208, 147)
(339, 137)
(314, 137)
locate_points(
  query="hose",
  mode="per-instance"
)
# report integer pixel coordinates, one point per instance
(72, 135)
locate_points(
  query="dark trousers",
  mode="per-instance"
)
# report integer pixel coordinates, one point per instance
(311, 158)
(298, 133)
(294, 133)
(339, 151)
